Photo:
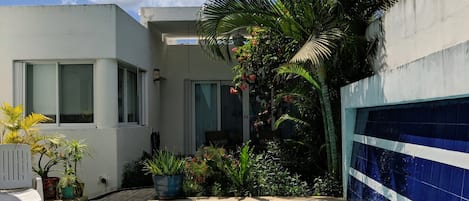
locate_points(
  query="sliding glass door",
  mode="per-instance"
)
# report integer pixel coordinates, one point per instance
(215, 109)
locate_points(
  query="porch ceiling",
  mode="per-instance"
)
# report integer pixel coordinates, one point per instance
(175, 28)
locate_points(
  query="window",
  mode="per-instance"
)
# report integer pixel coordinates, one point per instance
(129, 94)
(62, 92)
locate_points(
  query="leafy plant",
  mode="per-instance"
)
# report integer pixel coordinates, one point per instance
(271, 178)
(19, 130)
(68, 179)
(204, 175)
(75, 150)
(163, 163)
(51, 149)
(239, 171)
(327, 185)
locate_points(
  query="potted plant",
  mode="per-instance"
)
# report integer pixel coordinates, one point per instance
(75, 150)
(50, 155)
(168, 174)
(67, 183)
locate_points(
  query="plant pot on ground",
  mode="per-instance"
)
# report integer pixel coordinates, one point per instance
(167, 171)
(67, 184)
(75, 150)
(49, 156)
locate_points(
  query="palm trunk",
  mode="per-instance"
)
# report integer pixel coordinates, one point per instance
(329, 128)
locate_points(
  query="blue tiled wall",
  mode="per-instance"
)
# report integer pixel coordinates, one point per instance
(441, 124)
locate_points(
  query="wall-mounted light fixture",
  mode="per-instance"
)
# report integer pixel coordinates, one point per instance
(156, 74)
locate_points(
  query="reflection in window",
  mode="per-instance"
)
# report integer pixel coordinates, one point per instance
(66, 87)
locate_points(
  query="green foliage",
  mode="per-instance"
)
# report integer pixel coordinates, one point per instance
(19, 130)
(163, 163)
(212, 172)
(134, 176)
(273, 179)
(327, 185)
(75, 151)
(68, 179)
(239, 171)
(203, 172)
(50, 154)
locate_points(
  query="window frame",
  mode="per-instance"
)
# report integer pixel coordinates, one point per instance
(57, 63)
(140, 74)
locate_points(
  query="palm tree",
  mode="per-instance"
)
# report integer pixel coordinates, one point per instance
(319, 26)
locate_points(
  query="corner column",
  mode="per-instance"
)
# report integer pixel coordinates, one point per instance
(106, 105)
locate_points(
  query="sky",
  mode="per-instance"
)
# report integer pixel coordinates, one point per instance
(130, 6)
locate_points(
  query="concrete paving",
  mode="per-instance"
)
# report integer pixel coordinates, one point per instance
(148, 194)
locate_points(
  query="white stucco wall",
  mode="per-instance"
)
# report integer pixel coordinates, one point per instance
(183, 62)
(104, 35)
(426, 59)
(416, 28)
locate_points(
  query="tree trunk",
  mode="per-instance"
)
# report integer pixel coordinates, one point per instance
(329, 128)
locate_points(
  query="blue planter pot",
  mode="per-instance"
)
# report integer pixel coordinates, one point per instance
(168, 187)
(67, 192)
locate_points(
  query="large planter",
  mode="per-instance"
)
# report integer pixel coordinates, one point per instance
(15, 168)
(168, 187)
(49, 186)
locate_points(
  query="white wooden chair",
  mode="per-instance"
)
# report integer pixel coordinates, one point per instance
(16, 182)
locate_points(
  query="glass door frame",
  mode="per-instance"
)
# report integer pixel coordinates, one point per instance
(219, 83)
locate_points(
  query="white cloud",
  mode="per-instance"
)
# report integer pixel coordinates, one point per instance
(73, 2)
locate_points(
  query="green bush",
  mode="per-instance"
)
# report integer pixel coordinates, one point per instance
(204, 175)
(213, 172)
(273, 179)
(327, 185)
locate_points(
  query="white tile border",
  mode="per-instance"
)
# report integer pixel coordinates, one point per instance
(454, 158)
(376, 186)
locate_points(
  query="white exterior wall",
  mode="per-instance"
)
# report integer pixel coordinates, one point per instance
(103, 34)
(416, 28)
(179, 63)
(427, 59)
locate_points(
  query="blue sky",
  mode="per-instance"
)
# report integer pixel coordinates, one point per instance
(130, 6)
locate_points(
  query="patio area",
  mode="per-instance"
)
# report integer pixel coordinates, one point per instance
(149, 194)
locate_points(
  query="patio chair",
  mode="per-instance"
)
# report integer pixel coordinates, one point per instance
(216, 138)
(16, 182)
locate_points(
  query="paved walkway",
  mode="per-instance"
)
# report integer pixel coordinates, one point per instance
(146, 194)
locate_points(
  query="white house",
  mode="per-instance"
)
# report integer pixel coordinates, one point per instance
(406, 129)
(90, 68)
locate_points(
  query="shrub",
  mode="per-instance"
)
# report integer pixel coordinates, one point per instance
(204, 175)
(273, 179)
(327, 185)
(213, 172)
(134, 176)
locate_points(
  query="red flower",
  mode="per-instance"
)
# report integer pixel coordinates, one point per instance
(233, 90)
(235, 49)
(243, 87)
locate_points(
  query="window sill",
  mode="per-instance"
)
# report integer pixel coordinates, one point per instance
(67, 126)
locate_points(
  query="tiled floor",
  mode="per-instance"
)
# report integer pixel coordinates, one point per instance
(149, 194)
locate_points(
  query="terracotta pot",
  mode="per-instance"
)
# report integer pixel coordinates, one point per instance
(49, 185)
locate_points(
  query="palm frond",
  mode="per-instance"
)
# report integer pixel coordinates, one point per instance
(219, 20)
(318, 48)
(287, 117)
(32, 120)
(299, 71)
